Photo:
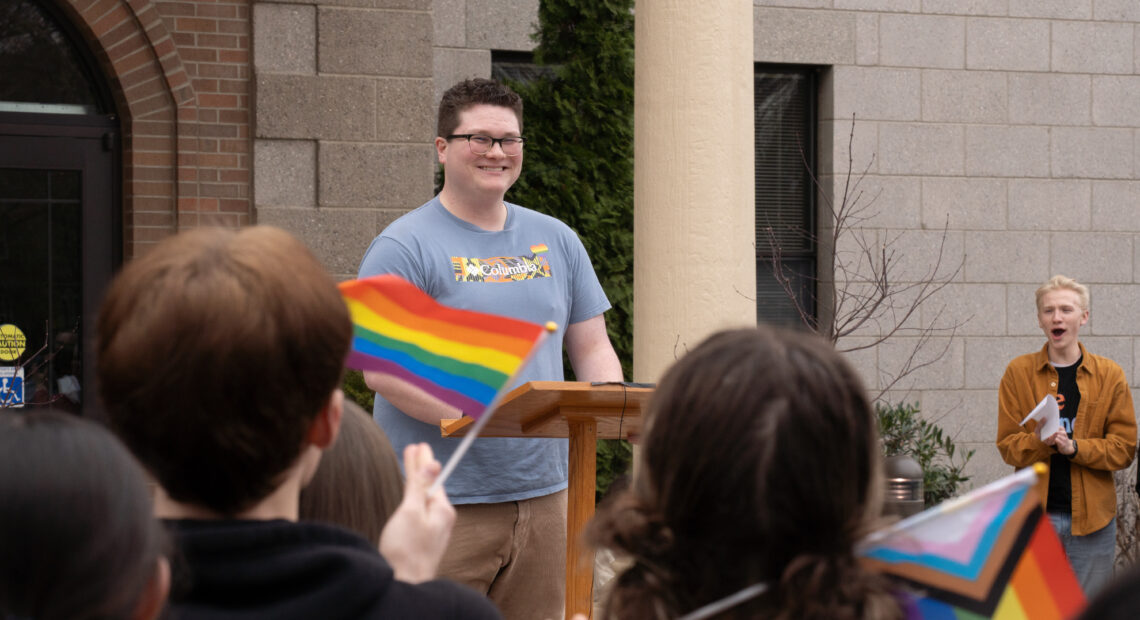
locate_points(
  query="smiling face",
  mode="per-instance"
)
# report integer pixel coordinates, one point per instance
(480, 179)
(1060, 315)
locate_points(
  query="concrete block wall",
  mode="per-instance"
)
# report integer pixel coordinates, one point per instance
(1014, 124)
(465, 32)
(343, 124)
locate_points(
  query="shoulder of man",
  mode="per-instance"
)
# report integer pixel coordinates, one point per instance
(410, 222)
(1101, 365)
(529, 216)
(1028, 362)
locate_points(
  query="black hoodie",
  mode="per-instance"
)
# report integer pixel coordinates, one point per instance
(232, 569)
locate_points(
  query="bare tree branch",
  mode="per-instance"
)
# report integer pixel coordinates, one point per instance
(865, 292)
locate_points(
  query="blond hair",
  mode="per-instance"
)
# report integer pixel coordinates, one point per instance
(1059, 282)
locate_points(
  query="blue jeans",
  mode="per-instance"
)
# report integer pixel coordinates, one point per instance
(1092, 557)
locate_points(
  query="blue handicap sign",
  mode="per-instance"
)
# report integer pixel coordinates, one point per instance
(11, 388)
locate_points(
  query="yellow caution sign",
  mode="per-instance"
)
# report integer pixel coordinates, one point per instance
(12, 342)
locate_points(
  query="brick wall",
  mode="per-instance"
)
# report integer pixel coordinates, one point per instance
(180, 75)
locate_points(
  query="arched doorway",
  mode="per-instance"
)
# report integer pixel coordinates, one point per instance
(60, 212)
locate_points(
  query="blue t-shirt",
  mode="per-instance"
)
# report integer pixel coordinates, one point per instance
(535, 269)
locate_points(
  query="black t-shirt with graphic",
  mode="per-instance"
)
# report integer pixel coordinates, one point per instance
(1068, 401)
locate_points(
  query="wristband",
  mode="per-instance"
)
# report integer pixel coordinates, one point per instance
(1070, 456)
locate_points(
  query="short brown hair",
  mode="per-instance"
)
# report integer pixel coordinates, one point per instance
(358, 484)
(471, 93)
(216, 351)
(759, 440)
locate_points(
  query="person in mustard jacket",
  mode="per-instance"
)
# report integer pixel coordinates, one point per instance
(1097, 434)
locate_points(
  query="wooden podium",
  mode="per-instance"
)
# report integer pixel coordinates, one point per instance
(584, 413)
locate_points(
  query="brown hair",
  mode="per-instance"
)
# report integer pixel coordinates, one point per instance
(77, 530)
(471, 93)
(759, 465)
(216, 351)
(358, 483)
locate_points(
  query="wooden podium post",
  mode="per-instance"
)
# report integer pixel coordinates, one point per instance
(583, 413)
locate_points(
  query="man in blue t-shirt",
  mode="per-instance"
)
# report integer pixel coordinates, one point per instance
(470, 249)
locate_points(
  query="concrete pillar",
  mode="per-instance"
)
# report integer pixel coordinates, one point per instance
(694, 240)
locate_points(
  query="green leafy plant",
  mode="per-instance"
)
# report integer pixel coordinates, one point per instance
(614, 459)
(579, 149)
(579, 157)
(903, 431)
(355, 389)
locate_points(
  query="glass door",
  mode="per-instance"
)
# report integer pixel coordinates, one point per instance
(58, 241)
(60, 217)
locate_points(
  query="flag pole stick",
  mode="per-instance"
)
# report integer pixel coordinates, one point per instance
(468, 439)
(482, 420)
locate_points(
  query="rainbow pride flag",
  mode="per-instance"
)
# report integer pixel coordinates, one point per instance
(991, 553)
(461, 357)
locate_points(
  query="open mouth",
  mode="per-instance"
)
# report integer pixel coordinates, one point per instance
(1058, 332)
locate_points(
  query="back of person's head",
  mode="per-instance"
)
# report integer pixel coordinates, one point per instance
(78, 538)
(358, 484)
(759, 464)
(216, 351)
(1064, 283)
(478, 91)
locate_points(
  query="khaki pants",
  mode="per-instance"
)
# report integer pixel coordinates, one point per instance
(515, 553)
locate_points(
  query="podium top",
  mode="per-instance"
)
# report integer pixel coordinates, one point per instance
(541, 409)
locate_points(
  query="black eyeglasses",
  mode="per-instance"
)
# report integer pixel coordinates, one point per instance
(481, 144)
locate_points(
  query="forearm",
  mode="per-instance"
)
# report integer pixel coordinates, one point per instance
(1018, 446)
(598, 365)
(591, 354)
(1110, 453)
(409, 399)
(1023, 449)
(1114, 447)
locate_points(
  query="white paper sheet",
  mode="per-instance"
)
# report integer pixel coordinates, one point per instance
(1047, 415)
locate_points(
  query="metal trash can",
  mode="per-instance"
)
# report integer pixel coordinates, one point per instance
(904, 490)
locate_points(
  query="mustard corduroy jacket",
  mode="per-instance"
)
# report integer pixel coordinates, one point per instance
(1104, 428)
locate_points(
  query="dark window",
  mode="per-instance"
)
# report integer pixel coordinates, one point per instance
(785, 122)
(41, 70)
(516, 67)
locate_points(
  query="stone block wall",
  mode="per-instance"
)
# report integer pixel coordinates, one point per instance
(1014, 125)
(465, 32)
(343, 131)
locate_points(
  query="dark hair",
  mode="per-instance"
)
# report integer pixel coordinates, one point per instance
(358, 483)
(759, 465)
(471, 93)
(216, 351)
(1118, 601)
(77, 531)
